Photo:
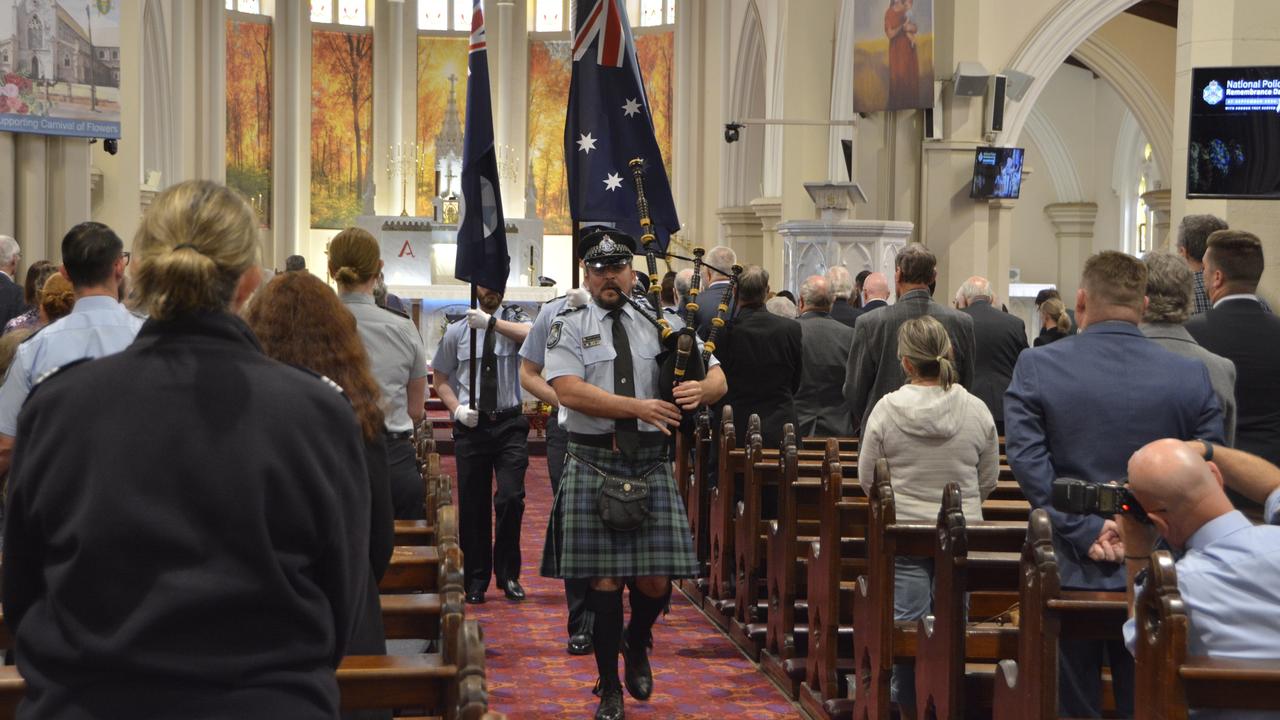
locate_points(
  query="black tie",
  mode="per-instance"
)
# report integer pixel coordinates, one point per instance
(626, 431)
(489, 372)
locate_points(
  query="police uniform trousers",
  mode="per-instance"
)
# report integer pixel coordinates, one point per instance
(408, 493)
(578, 545)
(575, 589)
(494, 448)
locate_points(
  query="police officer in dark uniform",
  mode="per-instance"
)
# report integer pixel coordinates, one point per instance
(601, 361)
(491, 439)
(188, 527)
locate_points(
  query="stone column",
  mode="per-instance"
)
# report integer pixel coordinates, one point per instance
(999, 239)
(291, 161)
(769, 212)
(8, 186)
(1221, 33)
(740, 230)
(1161, 204)
(1073, 227)
(509, 78)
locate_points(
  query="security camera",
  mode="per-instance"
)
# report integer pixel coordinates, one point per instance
(731, 134)
(111, 145)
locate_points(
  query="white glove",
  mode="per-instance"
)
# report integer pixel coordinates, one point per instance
(478, 319)
(467, 416)
(576, 298)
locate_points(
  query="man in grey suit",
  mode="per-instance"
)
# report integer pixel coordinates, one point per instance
(820, 406)
(1000, 338)
(1169, 304)
(874, 370)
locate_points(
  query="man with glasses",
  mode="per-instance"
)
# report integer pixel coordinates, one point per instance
(94, 260)
(601, 361)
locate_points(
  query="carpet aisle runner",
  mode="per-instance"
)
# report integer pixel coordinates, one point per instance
(698, 674)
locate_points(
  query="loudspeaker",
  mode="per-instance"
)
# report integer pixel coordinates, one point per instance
(970, 79)
(994, 118)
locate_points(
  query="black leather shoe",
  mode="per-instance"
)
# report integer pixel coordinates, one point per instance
(638, 675)
(512, 590)
(610, 707)
(475, 597)
(581, 641)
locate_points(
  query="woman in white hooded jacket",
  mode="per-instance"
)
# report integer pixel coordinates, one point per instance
(931, 432)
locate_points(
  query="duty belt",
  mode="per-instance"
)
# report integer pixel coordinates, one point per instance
(605, 440)
(497, 416)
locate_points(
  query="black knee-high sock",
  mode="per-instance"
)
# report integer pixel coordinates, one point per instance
(644, 613)
(607, 606)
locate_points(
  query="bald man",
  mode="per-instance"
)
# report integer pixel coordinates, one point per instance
(875, 294)
(1228, 576)
(825, 341)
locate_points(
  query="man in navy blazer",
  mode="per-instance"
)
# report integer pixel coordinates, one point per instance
(1078, 408)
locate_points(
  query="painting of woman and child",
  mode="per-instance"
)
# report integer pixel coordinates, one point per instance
(893, 55)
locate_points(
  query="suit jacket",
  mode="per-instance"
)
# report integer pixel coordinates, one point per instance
(844, 311)
(1241, 331)
(820, 404)
(873, 305)
(1000, 338)
(1080, 407)
(12, 303)
(762, 359)
(1222, 372)
(874, 371)
(708, 299)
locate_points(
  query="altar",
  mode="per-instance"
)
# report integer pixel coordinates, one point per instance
(418, 256)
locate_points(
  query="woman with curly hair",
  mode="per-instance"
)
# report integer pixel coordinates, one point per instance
(39, 272)
(301, 322)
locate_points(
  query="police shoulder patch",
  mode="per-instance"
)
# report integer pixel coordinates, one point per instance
(553, 337)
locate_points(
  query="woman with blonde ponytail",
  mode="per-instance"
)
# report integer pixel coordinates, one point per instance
(208, 540)
(932, 432)
(398, 359)
(1054, 320)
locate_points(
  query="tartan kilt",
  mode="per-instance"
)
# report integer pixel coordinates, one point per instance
(578, 545)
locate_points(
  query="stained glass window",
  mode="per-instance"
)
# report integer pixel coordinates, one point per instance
(549, 16)
(462, 15)
(433, 14)
(671, 12)
(250, 6)
(352, 12)
(321, 11)
(650, 13)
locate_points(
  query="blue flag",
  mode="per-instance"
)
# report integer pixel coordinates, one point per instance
(609, 125)
(482, 237)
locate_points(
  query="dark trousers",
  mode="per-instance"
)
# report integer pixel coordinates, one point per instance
(575, 589)
(491, 450)
(1080, 677)
(407, 491)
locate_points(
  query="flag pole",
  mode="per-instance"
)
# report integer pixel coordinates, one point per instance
(471, 380)
(573, 253)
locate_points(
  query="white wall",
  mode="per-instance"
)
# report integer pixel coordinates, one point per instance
(1086, 114)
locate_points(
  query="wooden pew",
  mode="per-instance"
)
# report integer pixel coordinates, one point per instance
(1168, 682)
(720, 591)
(829, 587)
(416, 568)
(980, 560)
(697, 504)
(1028, 686)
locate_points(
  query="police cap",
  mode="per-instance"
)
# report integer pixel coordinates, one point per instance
(603, 246)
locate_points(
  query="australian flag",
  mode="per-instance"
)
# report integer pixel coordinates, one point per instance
(609, 125)
(482, 237)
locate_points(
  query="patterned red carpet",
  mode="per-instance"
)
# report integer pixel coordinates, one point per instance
(698, 674)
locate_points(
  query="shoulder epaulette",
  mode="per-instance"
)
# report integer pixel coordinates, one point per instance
(322, 378)
(50, 374)
(569, 310)
(398, 313)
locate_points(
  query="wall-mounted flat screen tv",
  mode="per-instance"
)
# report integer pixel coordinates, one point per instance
(1234, 137)
(997, 173)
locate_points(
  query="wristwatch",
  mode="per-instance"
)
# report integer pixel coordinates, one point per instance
(1208, 450)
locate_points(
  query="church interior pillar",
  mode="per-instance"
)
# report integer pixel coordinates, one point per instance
(1218, 33)
(1160, 202)
(31, 226)
(999, 240)
(8, 184)
(741, 231)
(508, 63)
(291, 151)
(769, 212)
(1073, 228)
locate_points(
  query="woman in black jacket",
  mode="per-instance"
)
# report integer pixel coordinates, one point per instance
(188, 529)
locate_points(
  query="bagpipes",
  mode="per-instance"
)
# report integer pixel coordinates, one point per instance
(678, 362)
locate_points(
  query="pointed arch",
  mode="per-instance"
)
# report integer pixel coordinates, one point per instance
(1057, 157)
(157, 107)
(1155, 119)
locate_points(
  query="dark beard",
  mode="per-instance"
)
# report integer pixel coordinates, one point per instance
(613, 304)
(489, 307)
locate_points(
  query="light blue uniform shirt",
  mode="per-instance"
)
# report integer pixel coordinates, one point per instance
(1230, 584)
(97, 326)
(580, 343)
(1272, 513)
(396, 355)
(453, 358)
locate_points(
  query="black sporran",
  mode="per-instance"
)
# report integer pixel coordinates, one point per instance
(623, 503)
